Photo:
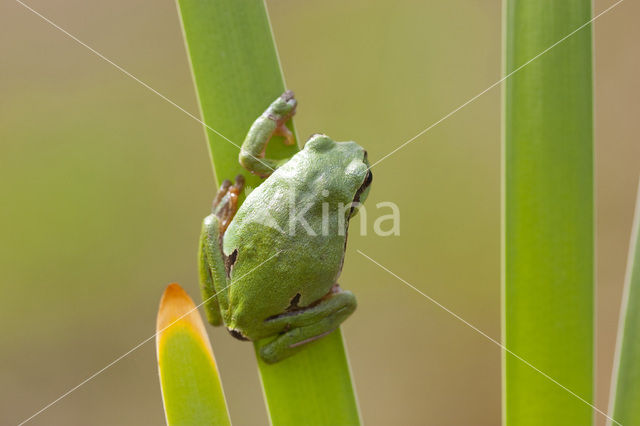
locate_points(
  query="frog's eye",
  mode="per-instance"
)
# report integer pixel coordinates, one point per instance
(368, 179)
(363, 191)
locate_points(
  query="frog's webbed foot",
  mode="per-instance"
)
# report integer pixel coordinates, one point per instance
(300, 326)
(272, 122)
(225, 203)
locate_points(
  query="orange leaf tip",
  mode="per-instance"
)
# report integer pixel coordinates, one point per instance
(177, 308)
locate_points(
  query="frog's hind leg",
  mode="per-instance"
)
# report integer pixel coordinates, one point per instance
(211, 260)
(271, 122)
(305, 325)
(207, 282)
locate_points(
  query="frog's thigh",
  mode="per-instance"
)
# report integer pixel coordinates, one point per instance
(208, 285)
(307, 325)
(213, 276)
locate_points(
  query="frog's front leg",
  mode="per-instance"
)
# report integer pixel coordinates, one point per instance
(271, 122)
(213, 274)
(302, 326)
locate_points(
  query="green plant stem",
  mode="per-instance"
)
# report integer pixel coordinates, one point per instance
(625, 389)
(237, 74)
(548, 213)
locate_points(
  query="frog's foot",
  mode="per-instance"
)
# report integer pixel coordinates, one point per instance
(225, 204)
(300, 326)
(222, 191)
(285, 109)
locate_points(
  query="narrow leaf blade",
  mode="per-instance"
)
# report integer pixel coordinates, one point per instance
(191, 388)
(236, 73)
(625, 392)
(315, 384)
(548, 213)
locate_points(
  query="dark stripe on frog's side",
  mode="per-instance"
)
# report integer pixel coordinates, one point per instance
(229, 261)
(238, 335)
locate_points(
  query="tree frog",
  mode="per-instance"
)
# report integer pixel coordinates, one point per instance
(269, 268)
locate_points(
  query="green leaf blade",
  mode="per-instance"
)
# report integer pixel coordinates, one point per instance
(548, 213)
(237, 74)
(625, 392)
(330, 400)
(191, 389)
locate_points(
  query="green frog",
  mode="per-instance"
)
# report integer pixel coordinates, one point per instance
(270, 268)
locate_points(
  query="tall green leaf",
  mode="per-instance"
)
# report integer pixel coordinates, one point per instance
(191, 389)
(625, 389)
(292, 401)
(237, 74)
(548, 244)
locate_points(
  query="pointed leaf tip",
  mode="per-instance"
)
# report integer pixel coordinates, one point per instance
(177, 307)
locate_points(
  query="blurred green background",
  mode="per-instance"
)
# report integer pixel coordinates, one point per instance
(104, 185)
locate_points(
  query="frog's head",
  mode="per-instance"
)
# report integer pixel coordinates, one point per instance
(347, 164)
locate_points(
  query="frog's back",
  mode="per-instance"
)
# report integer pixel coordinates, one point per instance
(290, 233)
(278, 257)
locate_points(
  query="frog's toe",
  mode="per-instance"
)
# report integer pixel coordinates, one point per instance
(224, 189)
(239, 182)
(287, 95)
